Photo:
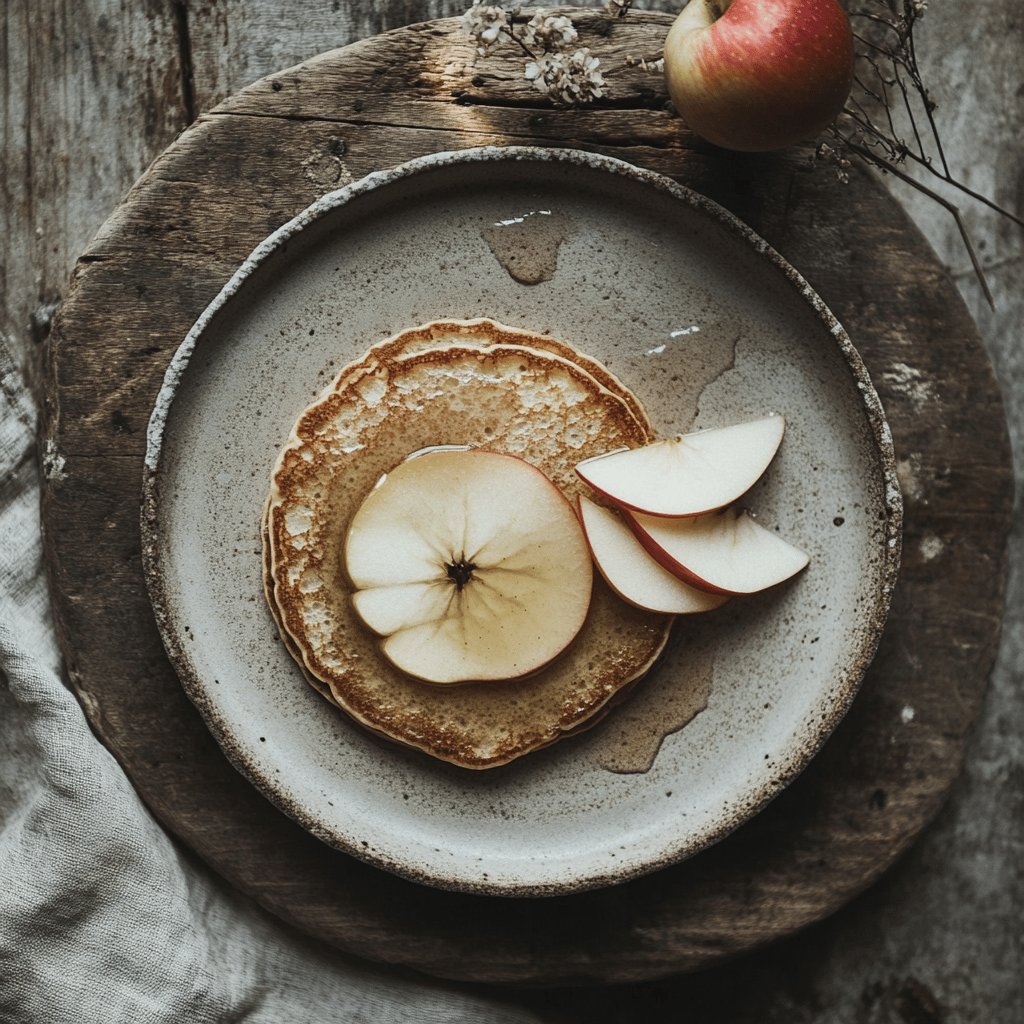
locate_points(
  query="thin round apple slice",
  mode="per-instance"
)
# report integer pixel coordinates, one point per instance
(632, 573)
(724, 552)
(690, 474)
(471, 564)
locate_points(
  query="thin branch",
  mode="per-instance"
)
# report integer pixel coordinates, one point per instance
(888, 106)
(909, 107)
(887, 74)
(967, 191)
(876, 18)
(874, 47)
(510, 32)
(979, 271)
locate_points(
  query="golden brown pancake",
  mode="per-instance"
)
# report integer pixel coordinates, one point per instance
(516, 400)
(483, 333)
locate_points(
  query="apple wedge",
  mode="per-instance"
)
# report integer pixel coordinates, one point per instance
(724, 552)
(632, 573)
(471, 564)
(690, 474)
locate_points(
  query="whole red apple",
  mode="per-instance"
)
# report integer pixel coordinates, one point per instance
(759, 74)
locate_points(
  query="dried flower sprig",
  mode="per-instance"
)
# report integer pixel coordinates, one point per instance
(889, 118)
(549, 33)
(569, 76)
(570, 79)
(485, 24)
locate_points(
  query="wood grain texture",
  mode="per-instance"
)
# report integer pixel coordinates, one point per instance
(235, 42)
(68, 70)
(248, 166)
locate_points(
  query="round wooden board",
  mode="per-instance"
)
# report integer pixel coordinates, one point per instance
(241, 171)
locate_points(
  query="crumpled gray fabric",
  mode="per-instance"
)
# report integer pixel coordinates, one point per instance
(102, 916)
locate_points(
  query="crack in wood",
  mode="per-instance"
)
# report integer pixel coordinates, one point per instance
(188, 85)
(636, 101)
(505, 131)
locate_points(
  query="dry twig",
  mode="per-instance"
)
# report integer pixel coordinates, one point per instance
(889, 120)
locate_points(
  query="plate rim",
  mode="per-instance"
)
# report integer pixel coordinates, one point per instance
(795, 759)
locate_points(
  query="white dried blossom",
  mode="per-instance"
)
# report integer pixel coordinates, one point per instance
(485, 24)
(919, 7)
(833, 156)
(569, 79)
(549, 32)
(654, 65)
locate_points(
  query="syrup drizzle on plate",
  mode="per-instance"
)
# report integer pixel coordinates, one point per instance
(527, 244)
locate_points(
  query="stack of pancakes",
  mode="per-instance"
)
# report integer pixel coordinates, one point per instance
(448, 383)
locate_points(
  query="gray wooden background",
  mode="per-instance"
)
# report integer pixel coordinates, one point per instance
(93, 90)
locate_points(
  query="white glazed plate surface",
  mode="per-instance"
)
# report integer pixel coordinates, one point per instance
(708, 326)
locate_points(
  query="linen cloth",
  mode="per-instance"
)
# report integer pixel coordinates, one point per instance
(102, 916)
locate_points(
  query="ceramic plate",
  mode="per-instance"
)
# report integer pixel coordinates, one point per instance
(708, 326)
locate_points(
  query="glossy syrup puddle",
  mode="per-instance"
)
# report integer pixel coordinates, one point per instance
(629, 741)
(527, 245)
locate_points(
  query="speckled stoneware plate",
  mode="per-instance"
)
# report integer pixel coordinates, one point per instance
(708, 326)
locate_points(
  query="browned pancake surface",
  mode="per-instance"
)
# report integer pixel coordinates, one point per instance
(483, 333)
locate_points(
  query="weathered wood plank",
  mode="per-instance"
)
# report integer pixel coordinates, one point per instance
(71, 70)
(235, 42)
(436, 64)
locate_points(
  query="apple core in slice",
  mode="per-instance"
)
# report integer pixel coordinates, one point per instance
(687, 475)
(725, 552)
(632, 573)
(471, 564)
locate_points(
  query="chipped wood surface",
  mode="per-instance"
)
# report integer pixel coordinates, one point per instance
(249, 165)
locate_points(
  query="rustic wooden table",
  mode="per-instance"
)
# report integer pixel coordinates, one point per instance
(150, 73)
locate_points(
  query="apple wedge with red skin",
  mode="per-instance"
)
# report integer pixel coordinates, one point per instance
(631, 572)
(687, 475)
(723, 552)
(756, 75)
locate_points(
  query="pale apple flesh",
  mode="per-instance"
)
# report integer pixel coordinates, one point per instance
(687, 475)
(724, 552)
(632, 573)
(759, 75)
(471, 564)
